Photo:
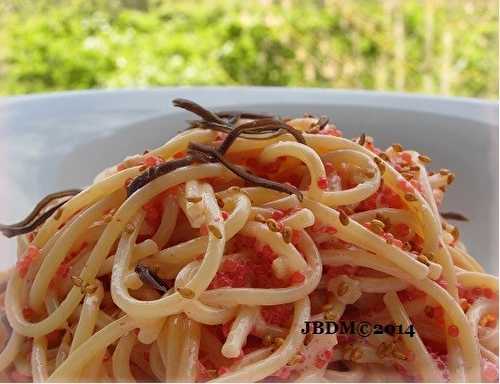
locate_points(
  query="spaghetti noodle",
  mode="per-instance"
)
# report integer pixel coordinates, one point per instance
(202, 260)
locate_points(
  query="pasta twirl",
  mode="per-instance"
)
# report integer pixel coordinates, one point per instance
(206, 258)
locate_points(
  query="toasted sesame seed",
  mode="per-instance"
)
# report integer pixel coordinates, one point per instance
(129, 228)
(444, 172)
(455, 233)
(58, 214)
(369, 173)
(362, 139)
(215, 231)
(186, 292)
(424, 260)
(410, 197)
(451, 178)
(342, 289)
(220, 202)
(383, 156)
(380, 165)
(267, 340)
(273, 225)
(397, 147)
(193, 199)
(287, 234)
(378, 223)
(399, 355)
(344, 219)
(278, 341)
(424, 159)
(259, 218)
(327, 307)
(90, 289)
(77, 281)
(329, 315)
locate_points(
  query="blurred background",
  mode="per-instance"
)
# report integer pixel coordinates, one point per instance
(447, 47)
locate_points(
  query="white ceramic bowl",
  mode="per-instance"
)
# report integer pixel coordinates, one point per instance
(56, 141)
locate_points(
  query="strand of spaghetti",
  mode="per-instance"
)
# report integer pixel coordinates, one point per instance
(10, 350)
(88, 317)
(301, 219)
(167, 223)
(228, 297)
(206, 314)
(39, 366)
(181, 141)
(477, 279)
(102, 248)
(460, 261)
(184, 252)
(263, 368)
(156, 363)
(325, 143)
(149, 329)
(142, 250)
(381, 284)
(305, 154)
(442, 255)
(85, 198)
(203, 277)
(393, 214)
(466, 339)
(425, 364)
(85, 352)
(252, 357)
(121, 358)
(188, 359)
(63, 244)
(262, 233)
(63, 349)
(175, 335)
(240, 329)
(464, 255)
(476, 312)
(360, 236)
(361, 191)
(489, 355)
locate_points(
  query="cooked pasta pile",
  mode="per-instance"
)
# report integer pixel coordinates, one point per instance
(202, 260)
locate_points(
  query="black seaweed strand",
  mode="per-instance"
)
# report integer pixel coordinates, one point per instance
(215, 156)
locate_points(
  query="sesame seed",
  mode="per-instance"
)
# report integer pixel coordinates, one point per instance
(410, 197)
(424, 159)
(362, 139)
(259, 218)
(220, 202)
(444, 172)
(193, 199)
(424, 260)
(451, 178)
(287, 234)
(90, 289)
(273, 225)
(342, 289)
(215, 231)
(397, 147)
(186, 292)
(129, 228)
(344, 219)
(267, 340)
(77, 281)
(383, 156)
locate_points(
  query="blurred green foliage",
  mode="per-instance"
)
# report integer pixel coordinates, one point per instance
(430, 46)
